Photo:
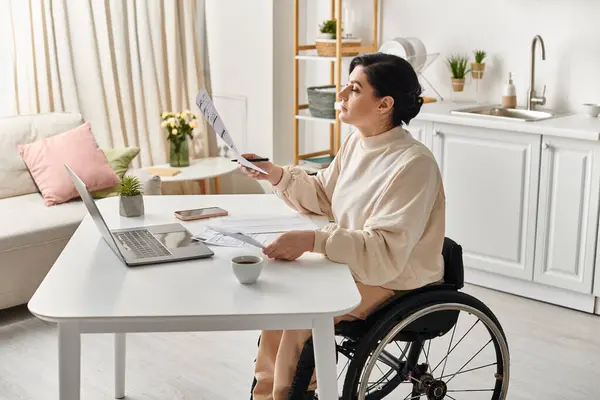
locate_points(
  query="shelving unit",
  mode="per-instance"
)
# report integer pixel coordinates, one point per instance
(308, 53)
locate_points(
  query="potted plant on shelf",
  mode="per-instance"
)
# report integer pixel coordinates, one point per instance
(131, 202)
(179, 127)
(458, 68)
(478, 66)
(327, 41)
(328, 29)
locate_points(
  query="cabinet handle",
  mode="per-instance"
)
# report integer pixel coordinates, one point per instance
(545, 146)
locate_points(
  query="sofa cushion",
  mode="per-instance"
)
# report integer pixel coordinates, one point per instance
(119, 160)
(77, 148)
(26, 221)
(15, 179)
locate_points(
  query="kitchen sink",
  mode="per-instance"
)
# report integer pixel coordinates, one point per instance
(511, 114)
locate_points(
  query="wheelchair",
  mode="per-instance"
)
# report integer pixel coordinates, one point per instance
(433, 343)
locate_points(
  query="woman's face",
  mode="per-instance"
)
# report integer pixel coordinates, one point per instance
(359, 105)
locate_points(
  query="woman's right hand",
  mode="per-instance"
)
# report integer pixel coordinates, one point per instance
(275, 172)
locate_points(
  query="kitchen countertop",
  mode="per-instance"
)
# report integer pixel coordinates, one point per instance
(575, 126)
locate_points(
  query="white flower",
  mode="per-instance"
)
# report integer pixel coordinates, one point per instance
(174, 131)
(163, 124)
(194, 124)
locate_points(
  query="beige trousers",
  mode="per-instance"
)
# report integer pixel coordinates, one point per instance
(278, 351)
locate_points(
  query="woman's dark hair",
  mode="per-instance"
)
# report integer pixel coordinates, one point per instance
(390, 75)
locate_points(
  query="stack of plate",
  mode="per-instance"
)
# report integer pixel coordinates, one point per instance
(411, 49)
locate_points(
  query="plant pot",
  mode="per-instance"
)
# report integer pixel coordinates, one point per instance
(326, 35)
(458, 84)
(477, 70)
(179, 154)
(131, 206)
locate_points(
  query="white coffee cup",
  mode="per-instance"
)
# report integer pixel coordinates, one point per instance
(247, 268)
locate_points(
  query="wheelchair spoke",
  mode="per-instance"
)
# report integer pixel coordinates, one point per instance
(471, 390)
(411, 397)
(427, 354)
(469, 370)
(449, 345)
(450, 397)
(470, 359)
(343, 369)
(461, 339)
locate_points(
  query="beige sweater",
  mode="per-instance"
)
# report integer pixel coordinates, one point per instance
(386, 199)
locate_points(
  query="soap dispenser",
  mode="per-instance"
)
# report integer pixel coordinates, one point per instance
(509, 95)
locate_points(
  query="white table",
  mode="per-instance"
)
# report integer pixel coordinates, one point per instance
(89, 290)
(202, 169)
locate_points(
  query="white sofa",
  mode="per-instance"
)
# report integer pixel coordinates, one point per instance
(31, 235)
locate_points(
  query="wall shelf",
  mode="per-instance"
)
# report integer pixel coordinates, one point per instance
(308, 52)
(305, 115)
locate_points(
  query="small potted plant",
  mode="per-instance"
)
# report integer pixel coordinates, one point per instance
(328, 29)
(326, 42)
(131, 202)
(179, 127)
(457, 64)
(478, 67)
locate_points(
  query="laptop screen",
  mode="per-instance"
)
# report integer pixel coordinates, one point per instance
(94, 211)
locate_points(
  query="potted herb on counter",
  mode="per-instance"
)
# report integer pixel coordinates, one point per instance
(131, 202)
(478, 67)
(457, 64)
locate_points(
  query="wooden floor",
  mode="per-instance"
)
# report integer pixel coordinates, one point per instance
(555, 354)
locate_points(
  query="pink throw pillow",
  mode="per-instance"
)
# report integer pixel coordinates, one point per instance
(77, 148)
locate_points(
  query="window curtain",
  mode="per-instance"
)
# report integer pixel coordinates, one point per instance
(118, 63)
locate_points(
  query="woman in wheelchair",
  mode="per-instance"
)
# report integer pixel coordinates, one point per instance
(383, 193)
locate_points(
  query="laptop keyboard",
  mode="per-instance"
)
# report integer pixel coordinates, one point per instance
(142, 243)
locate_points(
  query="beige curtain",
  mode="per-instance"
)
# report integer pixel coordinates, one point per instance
(120, 63)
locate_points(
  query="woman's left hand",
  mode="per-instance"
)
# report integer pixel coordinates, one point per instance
(291, 245)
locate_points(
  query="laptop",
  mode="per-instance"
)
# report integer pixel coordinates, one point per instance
(145, 244)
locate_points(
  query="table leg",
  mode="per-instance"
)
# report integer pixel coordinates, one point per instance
(69, 361)
(120, 352)
(217, 185)
(324, 347)
(206, 185)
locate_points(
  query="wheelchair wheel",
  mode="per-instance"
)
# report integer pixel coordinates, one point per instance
(439, 345)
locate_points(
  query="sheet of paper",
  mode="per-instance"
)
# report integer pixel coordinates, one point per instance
(208, 109)
(266, 223)
(215, 238)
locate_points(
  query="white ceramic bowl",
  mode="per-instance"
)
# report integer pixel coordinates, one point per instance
(592, 109)
(247, 268)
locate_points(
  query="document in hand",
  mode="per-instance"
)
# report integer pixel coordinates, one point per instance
(206, 106)
(266, 223)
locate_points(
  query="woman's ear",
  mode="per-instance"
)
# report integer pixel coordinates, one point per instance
(386, 104)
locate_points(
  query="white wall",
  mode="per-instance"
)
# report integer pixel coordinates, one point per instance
(240, 37)
(240, 47)
(505, 29)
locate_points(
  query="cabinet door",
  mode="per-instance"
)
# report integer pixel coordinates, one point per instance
(568, 213)
(421, 131)
(491, 183)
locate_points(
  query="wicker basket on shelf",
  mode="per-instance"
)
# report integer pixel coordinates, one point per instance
(326, 47)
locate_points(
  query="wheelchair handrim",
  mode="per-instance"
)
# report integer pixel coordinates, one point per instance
(488, 322)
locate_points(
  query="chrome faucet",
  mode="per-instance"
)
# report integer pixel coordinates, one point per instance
(532, 99)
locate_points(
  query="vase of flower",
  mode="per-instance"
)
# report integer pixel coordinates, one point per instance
(179, 154)
(179, 127)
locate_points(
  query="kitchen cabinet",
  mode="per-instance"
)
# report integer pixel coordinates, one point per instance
(421, 131)
(567, 213)
(491, 182)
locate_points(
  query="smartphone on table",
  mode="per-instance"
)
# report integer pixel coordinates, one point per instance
(200, 213)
